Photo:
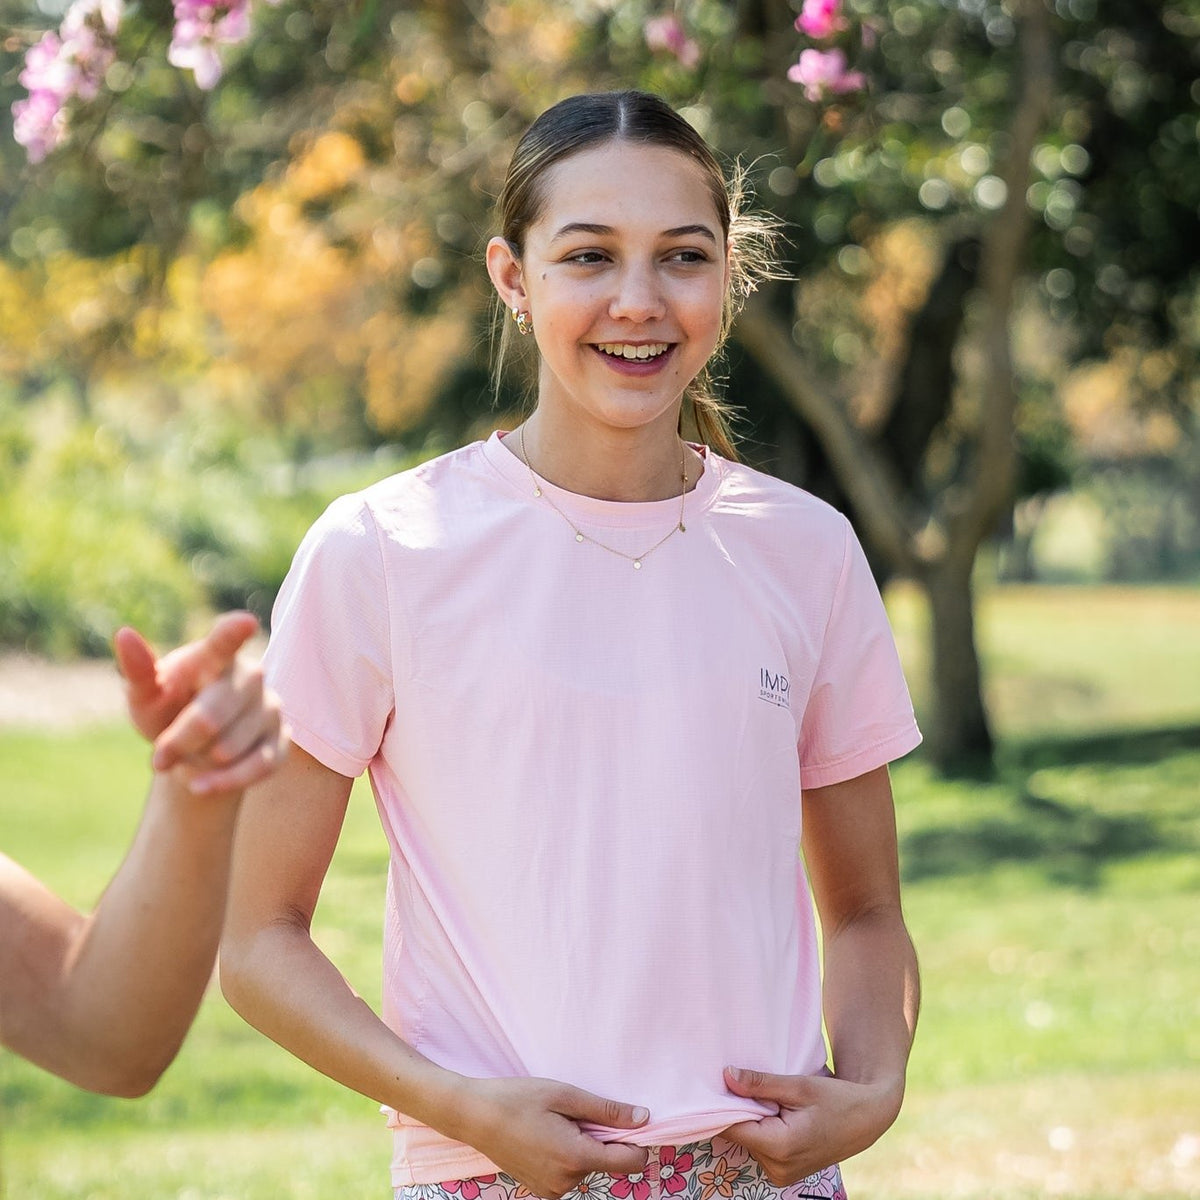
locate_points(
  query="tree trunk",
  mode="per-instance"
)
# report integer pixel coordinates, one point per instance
(959, 737)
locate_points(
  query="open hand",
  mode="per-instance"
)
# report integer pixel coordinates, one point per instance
(205, 709)
(821, 1121)
(530, 1129)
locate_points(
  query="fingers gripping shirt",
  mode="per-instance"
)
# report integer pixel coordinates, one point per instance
(590, 777)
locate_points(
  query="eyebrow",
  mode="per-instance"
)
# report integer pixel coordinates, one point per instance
(608, 231)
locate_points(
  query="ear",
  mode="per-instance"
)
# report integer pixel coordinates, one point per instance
(504, 269)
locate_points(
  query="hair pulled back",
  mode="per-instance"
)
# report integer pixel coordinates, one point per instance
(581, 122)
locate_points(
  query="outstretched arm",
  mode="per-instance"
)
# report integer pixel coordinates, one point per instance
(871, 991)
(105, 1000)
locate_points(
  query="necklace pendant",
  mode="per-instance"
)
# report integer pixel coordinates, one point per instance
(682, 527)
(637, 564)
(578, 536)
(537, 491)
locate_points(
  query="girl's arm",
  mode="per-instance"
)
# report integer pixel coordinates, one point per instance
(105, 1000)
(871, 991)
(279, 980)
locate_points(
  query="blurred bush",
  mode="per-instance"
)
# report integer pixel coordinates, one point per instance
(154, 526)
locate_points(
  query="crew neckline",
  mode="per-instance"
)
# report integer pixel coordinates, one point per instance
(614, 514)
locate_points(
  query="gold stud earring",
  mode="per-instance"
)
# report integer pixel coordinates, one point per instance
(524, 324)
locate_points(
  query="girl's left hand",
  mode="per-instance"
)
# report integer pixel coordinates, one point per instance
(822, 1120)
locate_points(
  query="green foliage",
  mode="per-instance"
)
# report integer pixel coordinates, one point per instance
(76, 563)
(150, 525)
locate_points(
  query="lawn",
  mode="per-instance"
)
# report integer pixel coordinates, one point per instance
(1056, 910)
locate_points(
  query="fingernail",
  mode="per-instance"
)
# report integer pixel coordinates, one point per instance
(736, 1074)
(198, 787)
(641, 1116)
(159, 760)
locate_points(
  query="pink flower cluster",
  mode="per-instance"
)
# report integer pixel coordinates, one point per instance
(666, 35)
(71, 64)
(821, 18)
(201, 26)
(824, 73)
(65, 66)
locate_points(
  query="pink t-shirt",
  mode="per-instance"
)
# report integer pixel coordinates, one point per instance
(590, 775)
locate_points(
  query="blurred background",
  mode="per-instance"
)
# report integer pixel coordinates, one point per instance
(241, 273)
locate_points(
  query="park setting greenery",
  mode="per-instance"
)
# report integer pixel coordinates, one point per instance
(1056, 910)
(222, 306)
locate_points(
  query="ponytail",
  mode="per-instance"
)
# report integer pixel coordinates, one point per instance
(710, 420)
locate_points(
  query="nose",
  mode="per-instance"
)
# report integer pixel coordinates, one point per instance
(638, 295)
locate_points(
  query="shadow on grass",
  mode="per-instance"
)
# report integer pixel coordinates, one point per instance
(1066, 806)
(1126, 747)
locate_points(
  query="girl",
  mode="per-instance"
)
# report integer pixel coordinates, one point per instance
(591, 667)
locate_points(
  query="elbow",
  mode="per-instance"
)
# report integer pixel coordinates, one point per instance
(240, 970)
(124, 1076)
(130, 1084)
(232, 972)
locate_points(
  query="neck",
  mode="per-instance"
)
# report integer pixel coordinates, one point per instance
(648, 463)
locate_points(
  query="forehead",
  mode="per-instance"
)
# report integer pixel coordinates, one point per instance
(626, 185)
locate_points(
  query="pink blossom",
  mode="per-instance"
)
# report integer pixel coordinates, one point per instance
(39, 124)
(821, 18)
(64, 66)
(47, 69)
(102, 14)
(468, 1189)
(201, 26)
(92, 54)
(673, 1168)
(823, 73)
(666, 34)
(631, 1187)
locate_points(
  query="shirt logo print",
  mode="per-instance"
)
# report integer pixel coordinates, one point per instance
(773, 687)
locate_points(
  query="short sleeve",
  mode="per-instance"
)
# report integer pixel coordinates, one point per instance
(859, 714)
(329, 654)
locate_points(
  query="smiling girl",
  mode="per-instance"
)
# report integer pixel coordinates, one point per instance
(608, 684)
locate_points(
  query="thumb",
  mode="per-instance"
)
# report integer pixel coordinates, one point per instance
(136, 662)
(191, 667)
(584, 1106)
(792, 1091)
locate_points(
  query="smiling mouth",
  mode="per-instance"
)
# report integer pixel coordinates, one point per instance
(632, 353)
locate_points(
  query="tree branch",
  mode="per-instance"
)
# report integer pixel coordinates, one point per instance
(1001, 255)
(879, 502)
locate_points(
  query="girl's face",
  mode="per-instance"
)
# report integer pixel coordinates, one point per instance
(624, 276)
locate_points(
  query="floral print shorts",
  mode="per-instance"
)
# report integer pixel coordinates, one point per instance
(712, 1170)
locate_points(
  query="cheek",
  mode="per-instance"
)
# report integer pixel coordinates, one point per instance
(702, 313)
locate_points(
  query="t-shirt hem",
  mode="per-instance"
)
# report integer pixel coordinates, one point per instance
(467, 1163)
(861, 761)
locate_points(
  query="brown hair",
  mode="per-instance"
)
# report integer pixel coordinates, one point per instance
(581, 122)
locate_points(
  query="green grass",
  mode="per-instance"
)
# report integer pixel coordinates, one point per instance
(1056, 910)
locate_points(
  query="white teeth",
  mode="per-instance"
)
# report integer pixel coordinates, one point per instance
(624, 350)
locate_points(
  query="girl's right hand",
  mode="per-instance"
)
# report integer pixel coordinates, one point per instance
(530, 1129)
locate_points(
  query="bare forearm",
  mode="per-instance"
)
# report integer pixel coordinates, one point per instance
(115, 992)
(871, 998)
(279, 980)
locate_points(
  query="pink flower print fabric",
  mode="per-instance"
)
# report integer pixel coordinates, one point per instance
(710, 1170)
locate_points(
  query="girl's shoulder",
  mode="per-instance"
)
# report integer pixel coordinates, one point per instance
(430, 484)
(779, 508)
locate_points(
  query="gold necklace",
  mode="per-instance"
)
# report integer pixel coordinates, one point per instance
(580, 536)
